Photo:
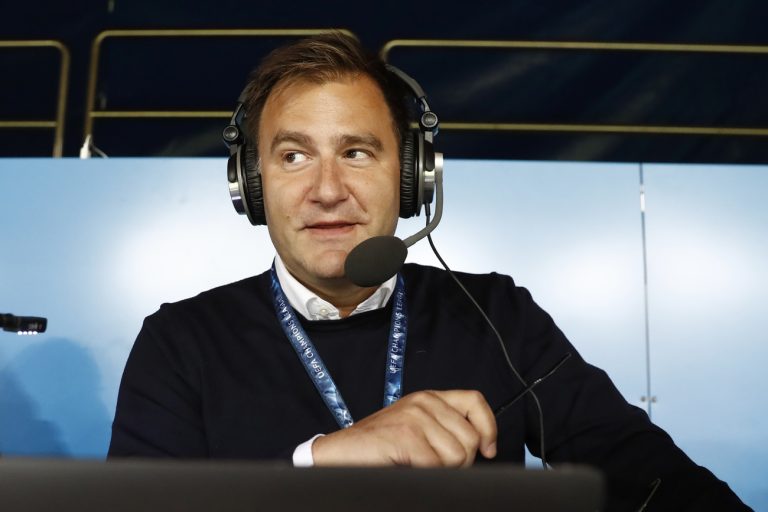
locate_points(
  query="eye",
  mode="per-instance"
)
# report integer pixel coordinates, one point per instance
(294, 157)
(357, 154)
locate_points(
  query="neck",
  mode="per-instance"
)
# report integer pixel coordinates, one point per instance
(344, 296)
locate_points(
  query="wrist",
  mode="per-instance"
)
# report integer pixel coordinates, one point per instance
(303, 455)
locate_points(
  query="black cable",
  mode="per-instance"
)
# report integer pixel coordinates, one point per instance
(526, 387)
(654, 486)
(499, 410)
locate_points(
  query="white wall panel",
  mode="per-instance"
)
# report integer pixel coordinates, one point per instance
(708, 291)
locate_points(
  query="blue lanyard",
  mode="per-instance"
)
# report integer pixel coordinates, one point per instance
(315, 367)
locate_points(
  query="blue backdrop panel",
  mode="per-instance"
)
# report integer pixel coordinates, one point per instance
(708, 284)
(97, 245)
(570, 232)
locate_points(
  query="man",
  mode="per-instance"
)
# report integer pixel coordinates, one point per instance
(230, 373)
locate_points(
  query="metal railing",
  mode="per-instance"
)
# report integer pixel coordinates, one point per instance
(588, 46)
(57, 124)
(93, 73)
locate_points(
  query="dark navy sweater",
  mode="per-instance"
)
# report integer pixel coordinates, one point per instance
(214, 376)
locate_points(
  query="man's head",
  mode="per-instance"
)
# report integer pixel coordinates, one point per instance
(326, 120)
(323, 58)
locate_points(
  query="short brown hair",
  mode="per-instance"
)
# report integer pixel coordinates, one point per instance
(323, 58)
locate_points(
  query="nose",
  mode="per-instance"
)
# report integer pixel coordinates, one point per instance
(328, 185)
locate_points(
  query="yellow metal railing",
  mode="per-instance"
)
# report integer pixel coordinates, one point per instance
(589, 46)
(56, 124)
(93, 73)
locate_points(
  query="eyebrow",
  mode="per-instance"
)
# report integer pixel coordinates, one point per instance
(366, 139)
(290, 136)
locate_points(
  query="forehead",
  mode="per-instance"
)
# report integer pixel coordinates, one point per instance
(355, 94)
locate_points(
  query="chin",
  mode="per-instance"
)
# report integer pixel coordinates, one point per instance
(330, 266)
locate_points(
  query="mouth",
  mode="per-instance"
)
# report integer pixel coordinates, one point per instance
(331, 227)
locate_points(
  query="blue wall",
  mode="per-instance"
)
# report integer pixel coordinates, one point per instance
(97, 245)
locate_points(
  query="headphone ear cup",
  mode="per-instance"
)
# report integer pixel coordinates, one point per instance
(409, 184)
(254, 197)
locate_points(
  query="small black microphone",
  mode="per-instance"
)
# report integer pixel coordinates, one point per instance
(375, 260)
(23, 324)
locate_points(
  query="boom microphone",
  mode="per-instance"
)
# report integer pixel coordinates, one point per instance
(375, 260)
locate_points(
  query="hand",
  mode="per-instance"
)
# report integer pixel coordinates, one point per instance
(423, 429)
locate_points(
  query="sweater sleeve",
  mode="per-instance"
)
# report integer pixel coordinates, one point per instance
(181, 397)
(587, 421)
(158, 407)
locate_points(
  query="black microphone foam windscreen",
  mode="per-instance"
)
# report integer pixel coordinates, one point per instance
(375, 260)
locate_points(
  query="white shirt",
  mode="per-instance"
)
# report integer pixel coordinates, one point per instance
(310, 306)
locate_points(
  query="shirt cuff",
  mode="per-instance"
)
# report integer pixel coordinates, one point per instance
(302, 455)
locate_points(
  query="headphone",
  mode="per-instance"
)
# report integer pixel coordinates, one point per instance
(418, 160)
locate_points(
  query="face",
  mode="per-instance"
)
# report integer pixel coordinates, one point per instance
(330, 170)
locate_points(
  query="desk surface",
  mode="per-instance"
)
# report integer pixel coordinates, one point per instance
(31, 485)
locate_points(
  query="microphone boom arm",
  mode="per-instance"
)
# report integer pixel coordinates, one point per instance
(438, 205)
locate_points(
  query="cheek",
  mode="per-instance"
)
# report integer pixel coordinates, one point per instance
(277, 214)
(391, 183)
(270, 209)
(384, 195)
(391, 200)
(396, 191)
(396, 183)
(279, 195)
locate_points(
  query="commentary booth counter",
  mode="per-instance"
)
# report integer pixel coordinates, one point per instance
(656, 273)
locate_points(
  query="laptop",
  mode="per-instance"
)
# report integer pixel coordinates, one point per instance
(163, 485)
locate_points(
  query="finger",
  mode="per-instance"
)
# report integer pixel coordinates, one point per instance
(454, 438)
(472, 405)
(454, 424)
(431, 448)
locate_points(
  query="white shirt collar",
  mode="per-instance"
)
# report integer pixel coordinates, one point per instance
(312, 307)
